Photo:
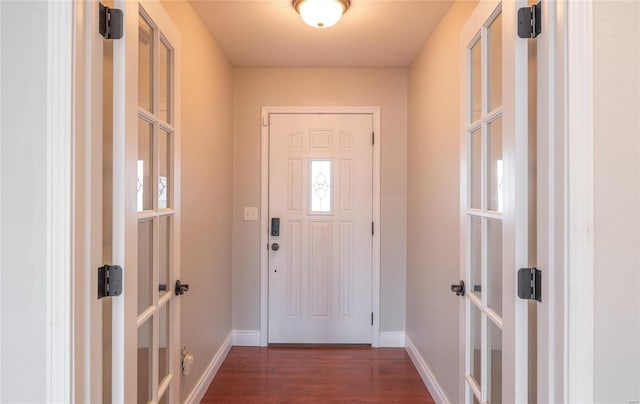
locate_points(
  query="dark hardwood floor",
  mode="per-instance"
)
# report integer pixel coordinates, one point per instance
(317, 375)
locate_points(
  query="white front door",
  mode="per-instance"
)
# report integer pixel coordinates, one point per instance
(494, 204)
(320, 228)
(146, 229)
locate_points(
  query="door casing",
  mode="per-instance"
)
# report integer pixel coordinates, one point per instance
(565, 204)
(264, 210)
(86, 194)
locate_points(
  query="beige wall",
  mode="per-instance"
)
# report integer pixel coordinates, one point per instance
(433, 200)
(257, 87)
(617, 201)
(206, 174)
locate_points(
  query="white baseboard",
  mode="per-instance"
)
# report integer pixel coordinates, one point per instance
(394, 339)
(246, 337)
(199, 391)
(427, 375)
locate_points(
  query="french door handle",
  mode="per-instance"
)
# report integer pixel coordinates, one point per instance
(181, 288)
(458, 289)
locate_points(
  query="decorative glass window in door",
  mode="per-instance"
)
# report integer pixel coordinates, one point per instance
(320, 189)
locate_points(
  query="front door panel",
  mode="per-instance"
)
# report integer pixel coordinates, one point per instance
(320, 189)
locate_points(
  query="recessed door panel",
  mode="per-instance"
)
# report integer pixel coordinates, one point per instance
(320, 263)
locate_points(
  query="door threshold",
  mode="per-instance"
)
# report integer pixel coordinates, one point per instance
(318, 345)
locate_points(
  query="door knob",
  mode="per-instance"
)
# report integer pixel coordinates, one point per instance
(181, 288)
(458, 289)
(275, 246)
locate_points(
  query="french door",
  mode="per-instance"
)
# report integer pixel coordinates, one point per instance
(146, 195)
(494, 204)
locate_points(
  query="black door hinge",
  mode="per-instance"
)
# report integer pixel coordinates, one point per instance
(530, 21)
(371, 318)
(372, 229)
(530, 284)
(373, 138)
(109, 281)
(110, 23)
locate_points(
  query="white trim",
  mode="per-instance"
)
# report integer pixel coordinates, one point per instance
(246, 337)
(1, 191)
(552, 189)
(59, 190)
(201, 387)
(125, 71)
(392, 339)
(264, 226)
(521, 211)
(579, 218)
(264, 209)
(428, 377)
(375, 262)
(87, 204)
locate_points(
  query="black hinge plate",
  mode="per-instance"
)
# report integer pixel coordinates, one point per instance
(110, 24)
(109, 281)
(530, 284)
(530, 21)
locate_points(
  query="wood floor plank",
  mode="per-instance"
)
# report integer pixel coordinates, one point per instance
(317, 375)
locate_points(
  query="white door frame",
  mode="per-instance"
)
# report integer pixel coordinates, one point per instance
(60, 128)
(68, 253)
(579, 292)
(52, 250)
(87, 168)
(565, 204)
(264, 210)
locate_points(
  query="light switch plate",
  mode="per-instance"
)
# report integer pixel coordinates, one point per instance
(250, 213)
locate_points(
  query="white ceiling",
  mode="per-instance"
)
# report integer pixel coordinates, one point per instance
(372, 33)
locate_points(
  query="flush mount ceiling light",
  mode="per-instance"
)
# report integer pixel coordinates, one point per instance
(321, 13)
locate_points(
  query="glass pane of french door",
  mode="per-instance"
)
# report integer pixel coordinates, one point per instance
(483, 366)
(155, 214)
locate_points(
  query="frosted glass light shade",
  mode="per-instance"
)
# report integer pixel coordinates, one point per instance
(321, 13)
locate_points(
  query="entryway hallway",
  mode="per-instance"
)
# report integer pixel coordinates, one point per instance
(88, 124)
(317, 375)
